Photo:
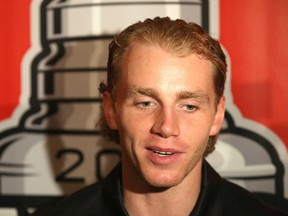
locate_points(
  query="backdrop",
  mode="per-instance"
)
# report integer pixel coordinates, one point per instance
(52, 58)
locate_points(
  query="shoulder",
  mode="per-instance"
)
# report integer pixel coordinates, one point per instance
(237, 199)
(81, 202)
(227, 198)
(101, 198)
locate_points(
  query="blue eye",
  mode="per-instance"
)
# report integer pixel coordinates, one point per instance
(190, 107)
(145, 104)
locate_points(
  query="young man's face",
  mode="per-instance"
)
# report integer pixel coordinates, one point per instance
(164, 110)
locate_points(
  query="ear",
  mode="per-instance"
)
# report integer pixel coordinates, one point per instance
(219, 117)
(109, 110)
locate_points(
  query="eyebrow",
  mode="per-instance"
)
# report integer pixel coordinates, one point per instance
(199, 94)
(136, 90)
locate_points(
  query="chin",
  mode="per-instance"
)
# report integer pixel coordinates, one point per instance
(163, 185)
(164, 181)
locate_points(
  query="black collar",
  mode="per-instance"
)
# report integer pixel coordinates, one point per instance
(210, 182)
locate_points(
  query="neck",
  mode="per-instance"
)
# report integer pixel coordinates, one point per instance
(149, 200)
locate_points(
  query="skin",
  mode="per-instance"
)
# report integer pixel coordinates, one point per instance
(164, 110)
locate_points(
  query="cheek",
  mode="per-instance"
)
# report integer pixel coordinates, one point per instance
(130, 126)
(197, 128)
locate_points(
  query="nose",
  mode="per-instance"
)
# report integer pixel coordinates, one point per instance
(166, 123)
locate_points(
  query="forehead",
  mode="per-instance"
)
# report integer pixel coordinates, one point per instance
(142, 62)
(166, 75)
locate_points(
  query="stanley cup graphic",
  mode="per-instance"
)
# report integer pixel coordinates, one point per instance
(56, 147)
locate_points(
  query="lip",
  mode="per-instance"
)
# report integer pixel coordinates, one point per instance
(163, 156)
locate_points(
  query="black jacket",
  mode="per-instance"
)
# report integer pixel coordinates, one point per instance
(218, 197)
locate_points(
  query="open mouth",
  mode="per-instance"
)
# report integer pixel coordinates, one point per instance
(164, 156)
(162, 153)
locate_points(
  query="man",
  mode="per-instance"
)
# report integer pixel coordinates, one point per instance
(164, 104)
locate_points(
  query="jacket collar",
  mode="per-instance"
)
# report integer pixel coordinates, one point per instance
(207, 203)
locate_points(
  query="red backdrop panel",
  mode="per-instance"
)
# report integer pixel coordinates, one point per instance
(14, 40)
(255, 34)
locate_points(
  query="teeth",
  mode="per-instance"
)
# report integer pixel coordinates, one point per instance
(162, 153)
